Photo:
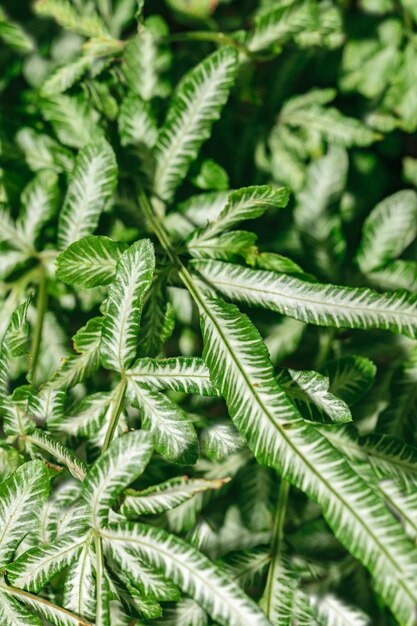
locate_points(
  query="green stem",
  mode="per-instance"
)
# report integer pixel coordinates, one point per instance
(220, 38)
(164, 240)
(114, 420)
(41, 306)
(276, 547)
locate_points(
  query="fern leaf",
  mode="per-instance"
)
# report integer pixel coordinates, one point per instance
(146, 58)
(90, 262)
(68, 17)
(190, 570)
(120, 465)
(240, 368)
(124, 305)
(350, 377)
(388, 230)
(243, 204)
(166, 496)
(34, 568)
(316, 216)
(188, 374)
(218, 441)
(79, 588)
(196, 105)
(14, 35)
(333, 612)
(60, 452)
(90, 189)
(55, 614)
(21, 498)
(137, 126)
(13, 613)
(278, 24)
(39, 202)
(76, 368)
(174, 434)
(403, 504)
(311, 390)
(314, 303)
(389, 457)
(74, 122)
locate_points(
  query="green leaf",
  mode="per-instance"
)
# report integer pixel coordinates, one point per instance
(158, 321)
(121, 464)
(21, 497)
(218, 441)
(197, 103)
(13, 613)
(133, 278)
(42, 151)
(403, 504)
(243, 204)
(88, 24)
(315, 214)
(240, 368)
(46, 405)
(85, 418)
(388, 230)
(61, 453)
(399, 416)
(65, 77)
(39, 202)
(13, 35)
(279, 24)
(333, 612)
(328, 122)
(350, 377)
(166, 496)
(34, 568)
(388, 457)
(186, 611)
(90, 189)
(397, 274)
(146, 58)
(73, 120)
(90, 262)
(311, 391)
(53, 613)
(220, 596)
(10, 459)
(76, 368)
(188, 374)
(137, 125)
(79, 589)
(126, 564)
(14, 342)
(224, 247)
(195, 212)
(314, 303)
(173, 432)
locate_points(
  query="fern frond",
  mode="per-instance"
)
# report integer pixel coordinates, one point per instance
(314, 303)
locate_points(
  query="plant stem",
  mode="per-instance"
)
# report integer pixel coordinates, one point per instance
(114, 420)
(41, 306)
(220, 38)
(32, 600)
(100, 583)
(165, 242)
(277, 546)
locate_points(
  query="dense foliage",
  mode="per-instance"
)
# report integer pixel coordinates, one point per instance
(208, 327)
